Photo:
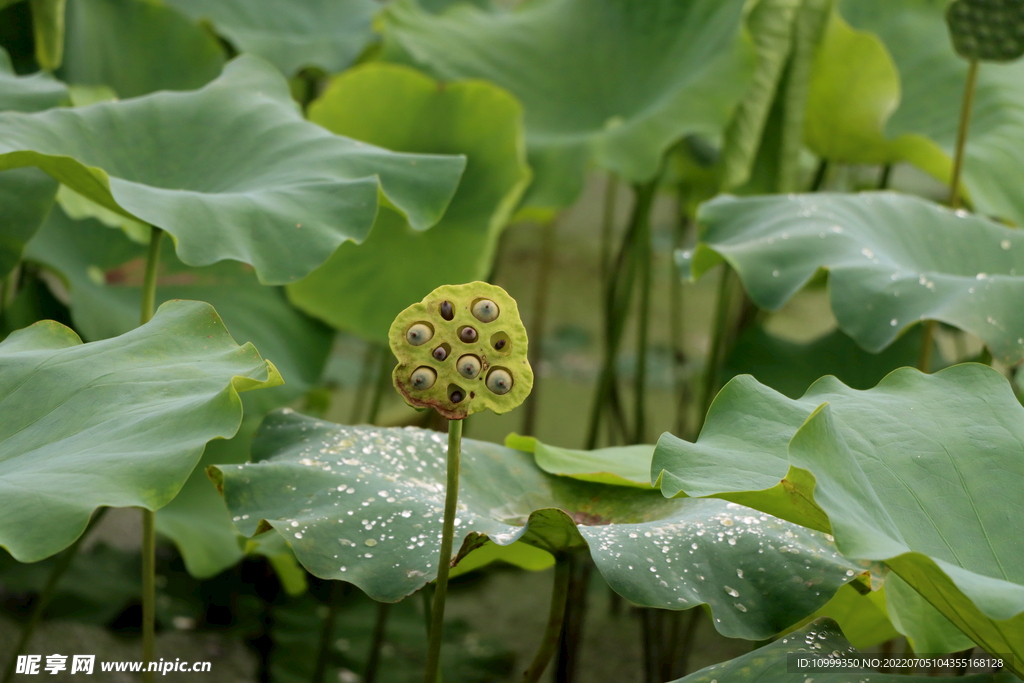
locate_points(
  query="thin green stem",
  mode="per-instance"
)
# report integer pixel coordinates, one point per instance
(323, 654)
(885, 177)
(556, 615)
(539, 323)
(611, 191)
(379, 628)
(961, 135)
(675, 317)
(714, 358)
(644, 256)
(148, 516)
(149, 280)
(383, 380)
(9, 287)
(365, 376)
(820, 176)
(618, 293)
(148, 589)
(46, 595)
(924, 358)
(451, 498)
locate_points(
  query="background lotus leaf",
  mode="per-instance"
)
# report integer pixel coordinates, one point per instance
(361, 288)
(610, 82)
(137, 47)
(771, 662)
(290, 34)
(26, 195)
(119, 422)
(893, 260)
(790, 367)
(897, 473)
(236, 155)
(621, 465)
(28, 93)
(102, 272)
(363, 504)
(772, 24)
(931, 87)
(854, 89)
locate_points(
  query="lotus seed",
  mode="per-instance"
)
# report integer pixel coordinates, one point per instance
(423, 378)
(499, 381)
(485, 310)
(467, 335)
(419, 334)
(456, 396)
(469, 366)
(440, 353)
(500, 344)
(447, 312)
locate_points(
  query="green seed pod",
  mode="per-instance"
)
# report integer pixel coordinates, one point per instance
(477, 322)
(987, 30)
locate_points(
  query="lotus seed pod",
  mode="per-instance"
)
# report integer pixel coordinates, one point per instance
(987, 30)
(477, 322)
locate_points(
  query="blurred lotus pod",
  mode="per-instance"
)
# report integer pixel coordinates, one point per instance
(478, 329)
(987, 30)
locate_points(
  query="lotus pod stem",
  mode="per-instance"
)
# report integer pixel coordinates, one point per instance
(461, 350)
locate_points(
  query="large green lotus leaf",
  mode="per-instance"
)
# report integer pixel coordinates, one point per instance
(363, 505)
(102, 271)
(923, 472)
(26, 195)
(791, 367)
(611, 82)
(363, 287)
(137, 47)
(622, 465)
(291, 34)
(893, 260)
(117, 423)
(821, 638)
(231, 171)
(932, 79)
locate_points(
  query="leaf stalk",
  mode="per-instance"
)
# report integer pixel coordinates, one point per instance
(556, 615)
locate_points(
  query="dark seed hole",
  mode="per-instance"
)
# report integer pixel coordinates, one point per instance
(447, 310)
(467, 335)
(500, 342)
(441, 352)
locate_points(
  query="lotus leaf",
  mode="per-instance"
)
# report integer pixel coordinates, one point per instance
(363, 505)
